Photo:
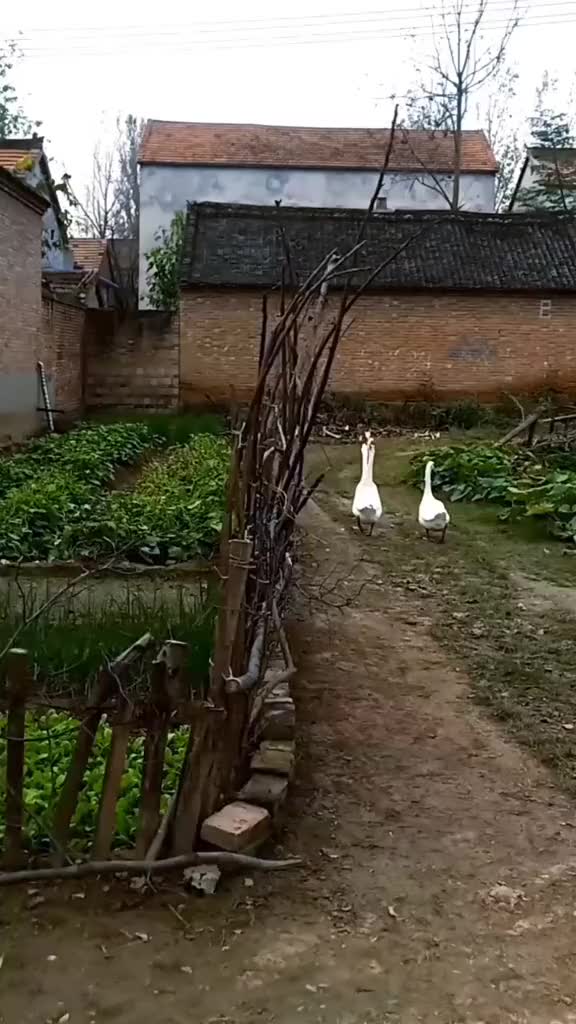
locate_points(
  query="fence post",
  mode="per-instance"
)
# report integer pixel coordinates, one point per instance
(154, 753)
(18, 684)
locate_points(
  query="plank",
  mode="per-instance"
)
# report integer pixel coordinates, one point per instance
(115, 764)
(153, 767)
(85, 738)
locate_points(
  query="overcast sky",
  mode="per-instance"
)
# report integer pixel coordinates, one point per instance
(326, 62)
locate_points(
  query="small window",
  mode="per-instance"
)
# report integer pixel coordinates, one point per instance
(545, 309)
(381, 203)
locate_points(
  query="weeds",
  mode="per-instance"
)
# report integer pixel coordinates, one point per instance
(71, 644)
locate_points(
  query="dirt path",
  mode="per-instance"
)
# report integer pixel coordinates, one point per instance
(440, 859)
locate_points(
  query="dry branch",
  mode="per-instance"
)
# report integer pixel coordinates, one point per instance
(146, 867)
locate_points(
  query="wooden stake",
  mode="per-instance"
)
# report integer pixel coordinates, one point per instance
(239, 553)
(18, 685)
(154, 753)
(115, 764)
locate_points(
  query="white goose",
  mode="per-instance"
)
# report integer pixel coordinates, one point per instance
(367, 507)
(432, 514)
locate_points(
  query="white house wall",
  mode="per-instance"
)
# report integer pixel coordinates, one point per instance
(164, 190)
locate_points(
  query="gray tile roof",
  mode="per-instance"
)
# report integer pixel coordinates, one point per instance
(236, 246)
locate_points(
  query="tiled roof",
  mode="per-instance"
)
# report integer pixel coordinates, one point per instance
(16, 153)
(179, 142)
(240, 246)
(88, 252)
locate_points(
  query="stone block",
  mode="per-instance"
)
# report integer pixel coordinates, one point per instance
(274, 756)
(265, 790)
(278, 721)
(280, 692)
(236, 827)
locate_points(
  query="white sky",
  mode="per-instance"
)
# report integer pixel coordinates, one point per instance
(314, 62)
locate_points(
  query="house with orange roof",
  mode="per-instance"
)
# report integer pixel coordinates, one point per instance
(335, 168)
(26, 159)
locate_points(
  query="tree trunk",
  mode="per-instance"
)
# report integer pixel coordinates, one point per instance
(457, 149)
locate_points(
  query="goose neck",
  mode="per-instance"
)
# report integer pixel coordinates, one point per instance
(428, 480)
(367, 464)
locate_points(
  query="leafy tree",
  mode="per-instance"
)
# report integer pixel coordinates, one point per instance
(126, 187)
(553, 136)
(13, 121)
(458, 67)
(502, 129)
(164, 265)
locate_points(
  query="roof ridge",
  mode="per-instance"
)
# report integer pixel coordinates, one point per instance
(312, 127)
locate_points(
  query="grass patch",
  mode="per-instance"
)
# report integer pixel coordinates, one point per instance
(175, 428)
(69, 645)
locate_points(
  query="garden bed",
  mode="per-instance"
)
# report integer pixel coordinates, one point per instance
(57, 501)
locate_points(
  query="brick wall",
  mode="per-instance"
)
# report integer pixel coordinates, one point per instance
(61, 351)
(420, 345)
(132, 362)
(20, 297)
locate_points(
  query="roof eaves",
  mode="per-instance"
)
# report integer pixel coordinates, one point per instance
(14, 186)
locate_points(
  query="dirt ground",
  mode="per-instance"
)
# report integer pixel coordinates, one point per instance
(439, 856)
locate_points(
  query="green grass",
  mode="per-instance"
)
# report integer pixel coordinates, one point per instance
(70, 645)
(174, 428)
(519, 658)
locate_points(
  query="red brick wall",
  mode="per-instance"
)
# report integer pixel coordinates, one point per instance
(131, 361)
(62, 353)
(20, 296)
(399, 346)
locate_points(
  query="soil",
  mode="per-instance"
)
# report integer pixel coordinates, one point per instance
(439, 857)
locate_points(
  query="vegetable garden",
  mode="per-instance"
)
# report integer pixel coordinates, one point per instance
(108, 498)
(56, 500)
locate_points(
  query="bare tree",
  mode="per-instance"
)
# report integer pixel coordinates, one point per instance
(111, 199)
(96, 214)
(461, 63)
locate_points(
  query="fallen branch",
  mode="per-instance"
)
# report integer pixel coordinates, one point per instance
(524, 425)
(145, 867)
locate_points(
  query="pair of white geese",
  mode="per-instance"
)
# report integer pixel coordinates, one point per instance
(367, 507)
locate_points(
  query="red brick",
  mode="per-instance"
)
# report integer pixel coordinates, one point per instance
(422, 345)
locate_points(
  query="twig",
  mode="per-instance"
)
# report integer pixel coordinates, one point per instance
(145, 867)
(158, 840)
